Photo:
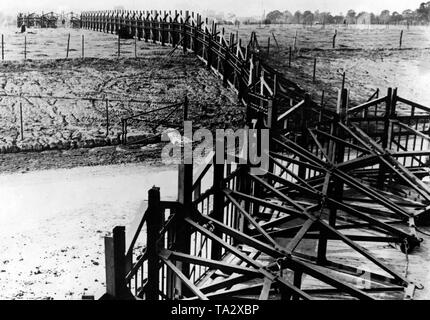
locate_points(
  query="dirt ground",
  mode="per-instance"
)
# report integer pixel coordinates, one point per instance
(369, 56)
(154, 81)
(53, 223)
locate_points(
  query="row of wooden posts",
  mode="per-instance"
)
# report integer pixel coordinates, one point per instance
(333, 41)
(119, 45)
(25, 47)
(106, 101)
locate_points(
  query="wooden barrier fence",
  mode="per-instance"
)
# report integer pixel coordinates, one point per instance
(337, 175)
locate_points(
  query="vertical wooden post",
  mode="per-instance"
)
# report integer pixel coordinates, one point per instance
(272, 121)
(289, 57)
(334, 187)
(83, 46)
(115, 263)
(225, 65)
(25, 48)
(305, 112)
(401, 38)
(209, 51)
(343, 81)
(182, 238)
(315, 70)
(185, 111)
(384, 140)
(154, 222)
(322, 99)
(268, 45)
(21, 121)
(295, 41)
(162, 22)
(68, 46)
(338, 152)
(2, 47)
(218, 209)
(184, 33)
(334, 38)
(107, 117)
(124, 131)
(297, 281)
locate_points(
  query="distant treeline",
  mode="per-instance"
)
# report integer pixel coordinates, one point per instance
(411, 17)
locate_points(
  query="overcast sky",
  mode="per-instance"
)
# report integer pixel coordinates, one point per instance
(240, 7)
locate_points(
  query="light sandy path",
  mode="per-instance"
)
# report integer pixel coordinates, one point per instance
(52, 224)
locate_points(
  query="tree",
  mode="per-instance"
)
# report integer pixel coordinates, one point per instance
(339, 19)
(373, 18)
(324, 18)
(329, 19)
(351, 13)
(384, 17)
(363, 18)
(297, 17)
(289, 18)
(396, 17)
(275, 16)
(423, 12)
(308, 17)
(351, 16)
(409, 15)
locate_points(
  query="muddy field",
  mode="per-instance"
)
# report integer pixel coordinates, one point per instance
(369, 56)
(71, 119)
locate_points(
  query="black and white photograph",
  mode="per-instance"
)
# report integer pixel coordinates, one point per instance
(240, 151)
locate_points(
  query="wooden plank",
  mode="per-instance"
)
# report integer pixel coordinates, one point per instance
(225, 267)
(267, 284)
(292, 245)
(154, 220)
(184, 279)
(250, 219)
(367, 104)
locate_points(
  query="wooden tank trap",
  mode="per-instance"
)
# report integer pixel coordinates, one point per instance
(343, 182)
(48, 20)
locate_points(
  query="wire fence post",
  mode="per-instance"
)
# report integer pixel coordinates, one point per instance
(401, 38)
(334, 38)
(315, 70)
(2, 47)
(21, 121)
(68, 46)
(107, 117)
(289, 57)
(295, 41)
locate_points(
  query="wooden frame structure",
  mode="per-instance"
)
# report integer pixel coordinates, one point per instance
(338, 176)
(44, 20)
